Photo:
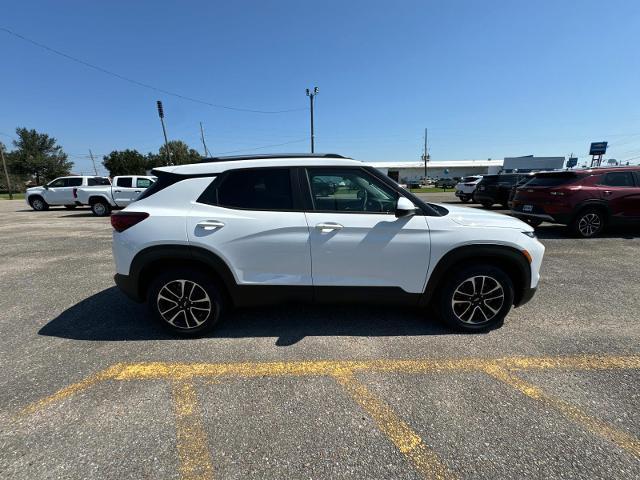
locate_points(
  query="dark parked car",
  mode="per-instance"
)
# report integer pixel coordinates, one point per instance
(585, 200)
(496, 189)
(446, 183)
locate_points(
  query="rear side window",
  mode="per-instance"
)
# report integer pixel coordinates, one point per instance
(551, 180)
(257, 189)
(96, 181)
(618, 179)
(125, 182)
(143, 182)
(73, 182)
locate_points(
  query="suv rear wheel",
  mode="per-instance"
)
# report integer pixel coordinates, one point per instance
(476, 298)
(185, 301)
(588, 223)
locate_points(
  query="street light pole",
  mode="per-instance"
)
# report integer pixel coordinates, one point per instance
(312, 94)
(164, 131)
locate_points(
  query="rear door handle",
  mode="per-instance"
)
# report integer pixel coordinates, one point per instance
(118, 191)
(608, 192)
(137, 191)
(211, 224)
(328, 226)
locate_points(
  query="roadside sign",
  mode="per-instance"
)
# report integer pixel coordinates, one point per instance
(598, 148)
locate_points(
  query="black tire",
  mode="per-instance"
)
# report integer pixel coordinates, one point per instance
(588, 223)
(38, 203)
(487, 204)
(191, 318)
(495, 294)
(464, 199)
(100, 208)
(70, 207)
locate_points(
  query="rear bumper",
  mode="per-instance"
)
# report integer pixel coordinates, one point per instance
(129, 286)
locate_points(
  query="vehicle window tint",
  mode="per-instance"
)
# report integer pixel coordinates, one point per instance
(97, 181)
(618, 179)
(350, 191)
(125, 182)
(73, 182)
(57, 183)
(551, 180)
(259, 189)
(143, 182)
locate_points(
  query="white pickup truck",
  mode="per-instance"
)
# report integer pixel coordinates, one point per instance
(123, 191)
(61, 191)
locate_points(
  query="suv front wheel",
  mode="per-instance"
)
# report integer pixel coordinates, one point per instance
(476, 298)
(185, 301)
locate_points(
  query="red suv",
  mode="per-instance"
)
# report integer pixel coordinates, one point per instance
(586, 200)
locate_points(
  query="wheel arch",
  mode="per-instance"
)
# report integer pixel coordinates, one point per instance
(593, 203)
(95, 198)
(153, 260)
(510, 259)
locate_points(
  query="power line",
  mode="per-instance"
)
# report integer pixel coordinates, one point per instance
(141, 84)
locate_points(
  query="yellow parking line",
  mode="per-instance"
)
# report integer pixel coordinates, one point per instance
(618, 437)
(177, 371)
(191, 439)
(402, 436)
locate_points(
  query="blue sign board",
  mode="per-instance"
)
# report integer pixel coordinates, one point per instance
(598, 148)
(572, 162)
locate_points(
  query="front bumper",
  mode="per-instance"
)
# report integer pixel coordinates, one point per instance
(128, 286)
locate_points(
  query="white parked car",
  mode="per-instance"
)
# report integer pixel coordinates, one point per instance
(466, 187)
(123, 191)
(258, 230)
(60, 191)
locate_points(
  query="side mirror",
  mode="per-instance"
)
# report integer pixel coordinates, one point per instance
(46, 187)
(404, 207)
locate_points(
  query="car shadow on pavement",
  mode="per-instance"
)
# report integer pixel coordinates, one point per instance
(548, 231)
(110, 316)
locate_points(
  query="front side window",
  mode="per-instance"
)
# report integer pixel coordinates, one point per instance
(58, 182)
(351, 190)
(125, 182)
(618, 179)
(73, 182)
(257, 189)
(143, 182)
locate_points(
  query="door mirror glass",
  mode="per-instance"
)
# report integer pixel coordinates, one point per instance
(404, 207)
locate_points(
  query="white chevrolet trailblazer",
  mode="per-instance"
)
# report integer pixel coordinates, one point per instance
(239, 231)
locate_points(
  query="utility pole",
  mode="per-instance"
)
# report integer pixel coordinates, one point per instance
(164, 131)
(94, 162)
(206, 150)
(425, 155)
(312, 94)
(6, 172)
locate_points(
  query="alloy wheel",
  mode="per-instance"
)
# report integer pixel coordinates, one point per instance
(99, 209)
(37, 204)
(184, 304)
(589, 224)
(477, 299)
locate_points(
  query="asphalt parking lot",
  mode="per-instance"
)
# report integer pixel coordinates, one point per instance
(90, 389)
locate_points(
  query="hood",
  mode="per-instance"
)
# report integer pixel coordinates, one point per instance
(474, 217)
(35, 189)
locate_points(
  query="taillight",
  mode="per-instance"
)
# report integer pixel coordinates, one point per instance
(122, 220)
(75, 193)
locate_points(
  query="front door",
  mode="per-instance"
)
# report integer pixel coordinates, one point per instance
(356, 239)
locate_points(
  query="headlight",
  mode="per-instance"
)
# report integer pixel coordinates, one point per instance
(530, 234)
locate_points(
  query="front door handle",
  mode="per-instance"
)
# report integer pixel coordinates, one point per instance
(328, 227)
(118, 191)
(210, 224)
(608, 192)
(137, 191)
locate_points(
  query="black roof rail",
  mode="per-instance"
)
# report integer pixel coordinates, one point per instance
(269, 156)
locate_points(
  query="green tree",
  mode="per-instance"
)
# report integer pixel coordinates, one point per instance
(125, 162)
(181, 154)
(38, 155)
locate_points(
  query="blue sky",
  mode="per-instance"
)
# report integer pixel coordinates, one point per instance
(489, 79)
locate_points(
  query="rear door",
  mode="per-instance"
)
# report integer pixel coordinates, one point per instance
(124, 191)
(356, 239)
(622, 193)
(252, 219)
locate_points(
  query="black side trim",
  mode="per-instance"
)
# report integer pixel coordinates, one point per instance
(368, 295)
(509, 258)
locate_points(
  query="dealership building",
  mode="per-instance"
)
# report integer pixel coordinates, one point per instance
(410, 171)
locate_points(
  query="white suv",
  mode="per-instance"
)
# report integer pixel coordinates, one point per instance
(239, 231)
